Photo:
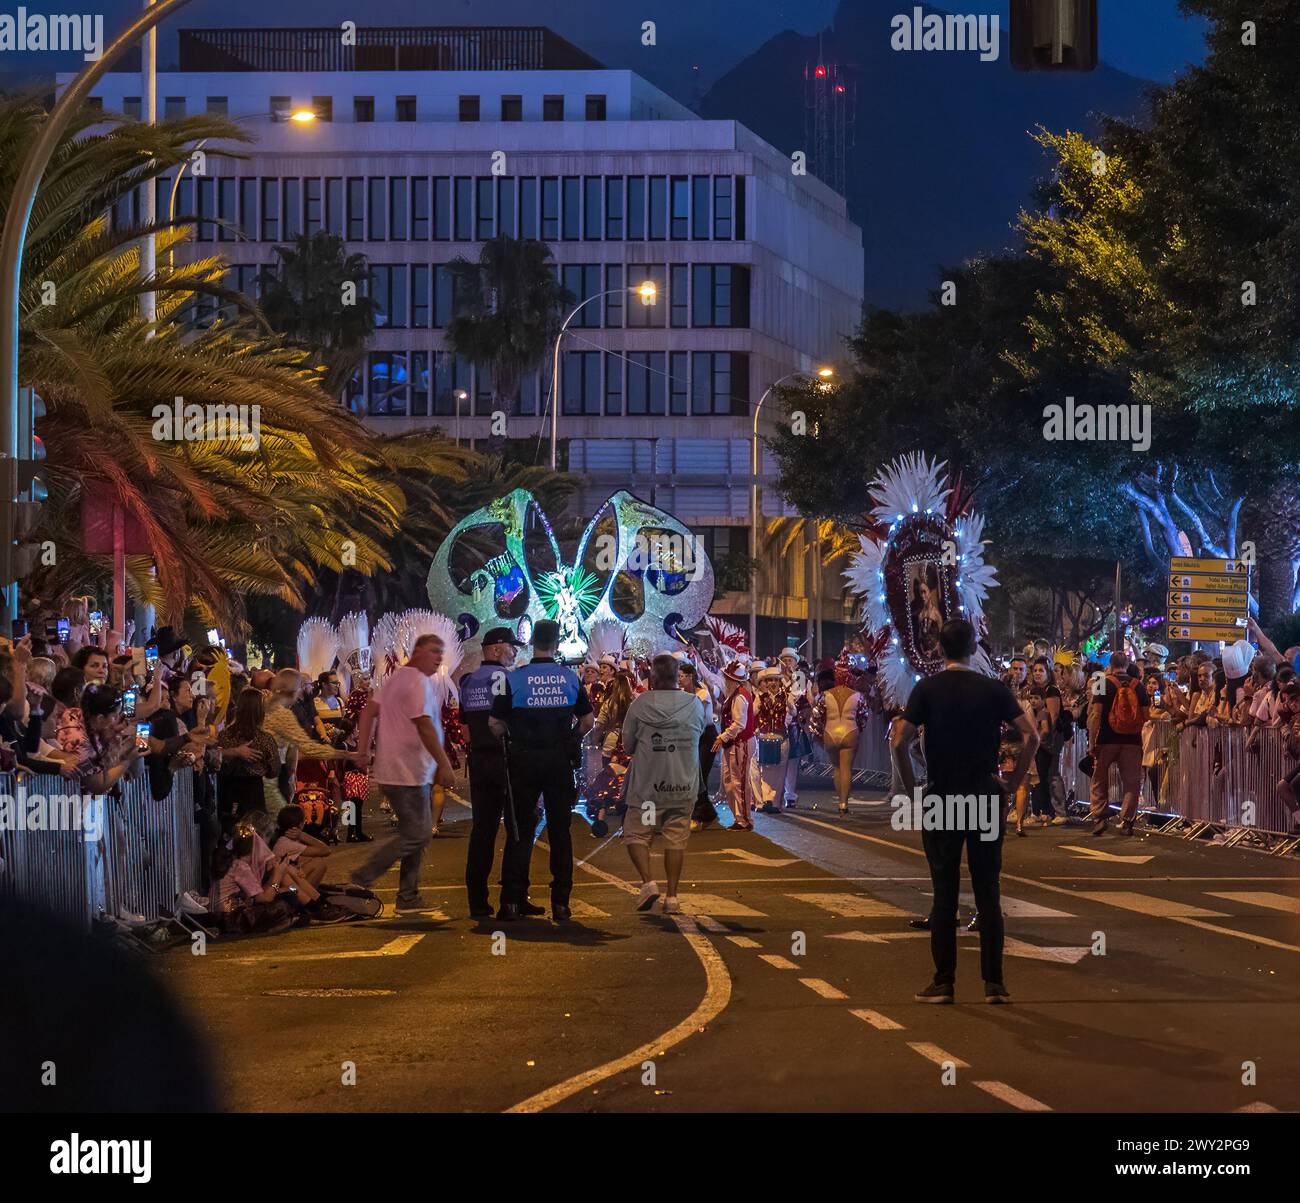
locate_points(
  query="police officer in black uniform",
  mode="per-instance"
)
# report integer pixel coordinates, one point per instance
(489, 789)
(542, 713)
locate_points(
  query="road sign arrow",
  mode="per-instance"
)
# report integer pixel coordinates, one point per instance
(1032, 952)
(1097, 854)
(753, 858)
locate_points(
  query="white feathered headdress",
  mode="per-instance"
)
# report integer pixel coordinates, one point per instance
(605, 638)
(383, 648)
(318, 647)
(354, 635)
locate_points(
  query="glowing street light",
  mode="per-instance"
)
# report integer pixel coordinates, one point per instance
(303, 116)
(648, 292)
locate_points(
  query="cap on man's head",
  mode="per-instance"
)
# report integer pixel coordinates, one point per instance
(500, 635)
(546, 634)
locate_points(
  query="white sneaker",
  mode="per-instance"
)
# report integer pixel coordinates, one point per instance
(646, 898)
(1059, 821)
(672, 906)
(193, 904)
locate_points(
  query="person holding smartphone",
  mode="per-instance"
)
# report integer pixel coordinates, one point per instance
(108, 750)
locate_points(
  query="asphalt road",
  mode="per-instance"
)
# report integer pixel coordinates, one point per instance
(1148, 975)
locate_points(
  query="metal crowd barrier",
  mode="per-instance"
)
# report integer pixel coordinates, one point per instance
(146, 855)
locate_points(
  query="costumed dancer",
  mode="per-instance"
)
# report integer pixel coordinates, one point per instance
(739, 759)
(775, 712)
(839, 717)
(320, 782)
(799, 744)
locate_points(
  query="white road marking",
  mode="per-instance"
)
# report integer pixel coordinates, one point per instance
(715, 904)
(1257, 1107)
(1098, 854)
(1018, 908)
(878, 937)
(1008, 1094)
(710, 924)
(744, 942)
(1032, 952)
(753, 858)
(881, 1022)
(1273, 902)
(584, 910)
(1146, 904)
(396, 947)
(778, 962)
(850, 906)
(932, 1052)
(717, 994)
(825, 989)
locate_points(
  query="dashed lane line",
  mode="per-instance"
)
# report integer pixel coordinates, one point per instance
(777, 962)
(1016, 1098)
(399, 946)
(932, 1052)
(825, 989)
(744, 942)
(878, 1021)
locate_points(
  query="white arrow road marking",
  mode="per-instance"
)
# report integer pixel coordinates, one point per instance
(753, 858)
(851, 906)
(1032, 952)
(1274, 902)
(868, 937)
(397, 947)
(1098, 854)
(1018, 908)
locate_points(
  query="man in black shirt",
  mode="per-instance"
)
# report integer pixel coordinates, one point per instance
(962, 712)
(543, 711)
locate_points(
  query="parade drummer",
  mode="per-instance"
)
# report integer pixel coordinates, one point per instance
(542, 713)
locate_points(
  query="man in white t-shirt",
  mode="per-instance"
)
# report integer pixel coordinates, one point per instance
(406, 716)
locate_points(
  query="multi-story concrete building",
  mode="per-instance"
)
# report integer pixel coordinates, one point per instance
(428, 141)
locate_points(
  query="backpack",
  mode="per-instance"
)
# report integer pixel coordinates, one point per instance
(1126, 717)
(1064, 729)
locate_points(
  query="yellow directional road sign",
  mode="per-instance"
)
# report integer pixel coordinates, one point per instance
(1210, 580)
(1209, 617)
(1193, 564)
(1224, 634)
(1210, 599)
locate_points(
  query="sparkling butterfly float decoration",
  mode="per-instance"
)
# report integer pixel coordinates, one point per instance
(921, 565)
(635, 565)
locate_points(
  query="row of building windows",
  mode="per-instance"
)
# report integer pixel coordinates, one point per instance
(405, 108)
(625, 384)
(440, 208)
(702, 295)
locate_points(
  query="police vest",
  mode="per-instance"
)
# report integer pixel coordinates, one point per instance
(543, 695)
(478, 690)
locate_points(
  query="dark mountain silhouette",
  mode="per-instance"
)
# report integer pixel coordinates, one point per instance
(943, 159)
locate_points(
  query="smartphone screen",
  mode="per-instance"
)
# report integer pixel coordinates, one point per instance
(128, 703)
(214, 636)
(17, 628)
(150, 658)
(142, 735)
(96, 621)
(63, 628)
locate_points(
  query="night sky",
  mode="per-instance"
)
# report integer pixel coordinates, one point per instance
(1149, 38)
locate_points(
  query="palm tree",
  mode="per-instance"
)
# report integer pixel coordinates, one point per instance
(221, 519)
(507, 312)
(301, 299)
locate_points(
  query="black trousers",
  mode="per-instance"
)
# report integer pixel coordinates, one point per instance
(547, 775)
(704, 812)
(1047, 760)
(487, 800)
(984, 861)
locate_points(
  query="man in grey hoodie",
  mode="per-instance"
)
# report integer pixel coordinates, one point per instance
(661, 732)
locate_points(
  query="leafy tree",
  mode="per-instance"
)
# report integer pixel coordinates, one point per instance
(506, 313)
(303, 298)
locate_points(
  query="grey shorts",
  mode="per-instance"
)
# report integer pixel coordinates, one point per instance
(674, 824)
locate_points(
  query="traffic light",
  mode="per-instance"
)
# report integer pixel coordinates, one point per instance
(23, 491)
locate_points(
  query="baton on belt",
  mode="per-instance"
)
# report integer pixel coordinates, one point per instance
(512, 819)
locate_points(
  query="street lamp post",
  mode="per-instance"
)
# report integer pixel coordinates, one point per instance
(825, 374)
(461, 395)
(17, 218)
(648, 293)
